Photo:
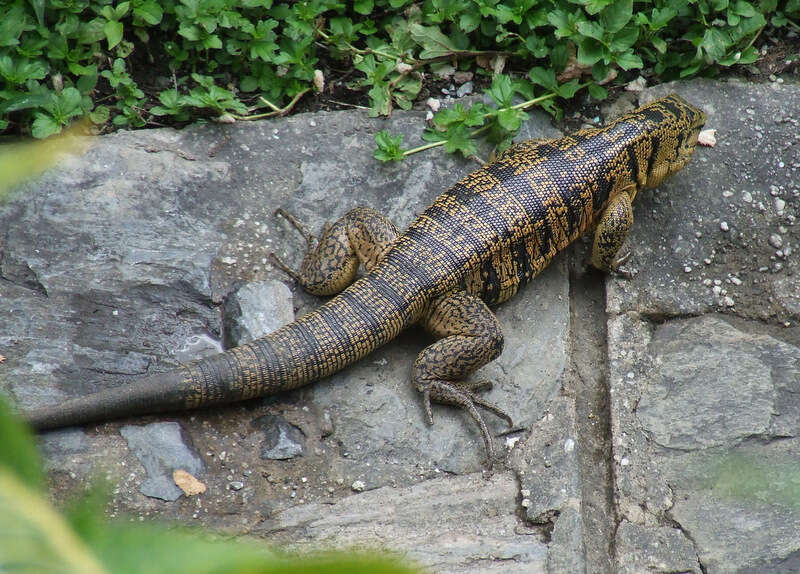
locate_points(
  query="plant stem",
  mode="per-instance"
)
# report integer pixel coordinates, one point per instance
(277, 111)
(480, 130)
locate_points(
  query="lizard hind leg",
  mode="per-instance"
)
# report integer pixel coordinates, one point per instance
(469, 336)
(361, 236)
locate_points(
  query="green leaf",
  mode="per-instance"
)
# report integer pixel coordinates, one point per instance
(544, 77)
(459, 139)
(537, 45)
(715, 43)
(595, 6)
(99, 115)
(189, 31)
(568, 89)
(44, 125)
(598, 92)
(434, 43)
(474, 116)
(624, 39)
(469, 21)
(590, 52)
(629, 61)
(38, 8)
(389, 147)
(616, 15)
(591, 30)
(501, 91)
(510, 120)
(88, 80)
(744, 9)
(559, 56)
(659, 44)
(563, 22)
(19, 454)
(113, 31)
(363, 6)
(661, 17)
(13, 23)
(380, 101)
(91, 31)
(149, 11)
(211, 42)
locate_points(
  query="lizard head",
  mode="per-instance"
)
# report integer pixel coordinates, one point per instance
(673, 141)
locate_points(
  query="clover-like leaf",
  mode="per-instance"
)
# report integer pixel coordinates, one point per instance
(434, 43)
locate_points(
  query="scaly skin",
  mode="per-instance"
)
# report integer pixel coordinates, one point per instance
(477, 245)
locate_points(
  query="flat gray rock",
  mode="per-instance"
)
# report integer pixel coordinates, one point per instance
(470, 525)
(256, 309)
(161, 450)
(660, 550)
(704, 348)
(749, 184)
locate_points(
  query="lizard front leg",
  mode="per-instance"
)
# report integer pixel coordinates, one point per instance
(361, 236)
(613, 228)
(469, 337)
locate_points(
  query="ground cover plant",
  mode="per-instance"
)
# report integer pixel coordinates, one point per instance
(141, 63)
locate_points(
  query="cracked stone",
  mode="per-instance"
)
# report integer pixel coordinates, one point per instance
(282, 440)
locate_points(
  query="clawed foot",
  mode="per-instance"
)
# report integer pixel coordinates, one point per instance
(462, 394)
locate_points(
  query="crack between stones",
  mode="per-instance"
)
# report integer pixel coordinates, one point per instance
(675, 524)
(587, 384)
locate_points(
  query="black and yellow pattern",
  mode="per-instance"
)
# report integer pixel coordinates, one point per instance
(477, 245)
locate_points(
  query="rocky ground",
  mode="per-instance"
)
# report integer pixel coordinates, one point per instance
(656, 417)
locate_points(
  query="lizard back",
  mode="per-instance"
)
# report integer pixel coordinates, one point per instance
(498, 227)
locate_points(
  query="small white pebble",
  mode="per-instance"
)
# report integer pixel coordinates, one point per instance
(358, 486)
(687, 269)
(776, 241)
(724, 226)
(736, 281)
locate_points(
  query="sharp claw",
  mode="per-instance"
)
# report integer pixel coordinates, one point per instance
(296, 224)
(624, 258)
(283, 267)
(487, 438)
(494, 409)
(426, 401)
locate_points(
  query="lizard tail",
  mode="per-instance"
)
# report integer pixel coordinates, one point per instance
(365, 316)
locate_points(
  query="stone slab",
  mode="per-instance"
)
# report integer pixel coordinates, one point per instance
(704, 349)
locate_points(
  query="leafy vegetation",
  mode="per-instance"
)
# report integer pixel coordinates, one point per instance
(37, 538)
(146, 62)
